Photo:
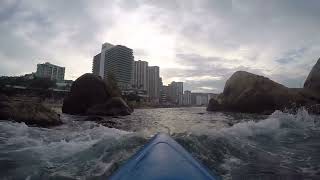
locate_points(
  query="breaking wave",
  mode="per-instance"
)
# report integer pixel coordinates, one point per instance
(282, 146)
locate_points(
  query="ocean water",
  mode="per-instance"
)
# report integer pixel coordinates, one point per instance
(234, 145)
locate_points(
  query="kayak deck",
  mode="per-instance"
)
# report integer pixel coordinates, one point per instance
(161, 159)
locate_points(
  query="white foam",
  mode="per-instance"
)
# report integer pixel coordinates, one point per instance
(272, 125)
(52, 143)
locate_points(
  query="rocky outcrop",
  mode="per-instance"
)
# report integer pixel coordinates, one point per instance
(215, 105)
(113, 107)
(87, 91)
(89, 96)
(30, 113)
(250, 93)
(313, 80)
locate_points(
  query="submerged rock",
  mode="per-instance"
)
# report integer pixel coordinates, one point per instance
(93, 118)
(104, 121)
(89, 96)
(30, 113)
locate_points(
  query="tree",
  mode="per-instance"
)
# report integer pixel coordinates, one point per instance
(42, 83)
(112, 86)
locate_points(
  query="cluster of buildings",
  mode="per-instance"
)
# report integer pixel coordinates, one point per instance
(139, 78)
(53, 72)
(133, 77)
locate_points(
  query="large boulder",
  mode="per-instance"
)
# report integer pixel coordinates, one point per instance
(90, 95)
(247, 92)
(30, 113)
(313, 80)
(88, 90)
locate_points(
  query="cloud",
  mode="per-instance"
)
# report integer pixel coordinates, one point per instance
(201, 42)
(56, 31)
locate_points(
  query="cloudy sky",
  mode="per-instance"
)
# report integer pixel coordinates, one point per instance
(199, 42)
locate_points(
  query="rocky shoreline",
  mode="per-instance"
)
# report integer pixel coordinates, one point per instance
(30, 112)
(251, 93)
(89, 97)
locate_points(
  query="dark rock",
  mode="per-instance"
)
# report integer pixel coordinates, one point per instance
(246, 92)
(89, 96)
(313, 80)
(110, 124)
(3, 98)
(94, 118)
(107, 122)
(88, 90)
(28, 112)
(35, 114)
(214, 105)
(313, 109)
(114, 106)
(5, 109)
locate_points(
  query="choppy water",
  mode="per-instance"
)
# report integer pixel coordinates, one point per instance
(237, 146)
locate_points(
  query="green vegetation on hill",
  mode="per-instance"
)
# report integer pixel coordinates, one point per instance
(112, 86)
(36, 83)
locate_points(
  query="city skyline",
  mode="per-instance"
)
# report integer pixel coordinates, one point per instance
(198, 42)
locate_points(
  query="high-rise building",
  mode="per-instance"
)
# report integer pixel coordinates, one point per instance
(187, 98)
(140, 75)
(105, 47)
(50, 71)
(153, 83)
(96, 64)
(176, 92)
(99, 60)
(116, 60)
(164, 91)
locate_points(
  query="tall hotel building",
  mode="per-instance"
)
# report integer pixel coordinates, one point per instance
(154, 83)
(116, 60)
(140, 75)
